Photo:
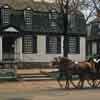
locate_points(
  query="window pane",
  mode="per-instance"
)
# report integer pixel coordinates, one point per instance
(52, 45)
(27, 44)
(28, 19)
(5, 16)
(53, 19)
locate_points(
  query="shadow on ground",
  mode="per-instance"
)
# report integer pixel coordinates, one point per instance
(17, 98)
(72, 89)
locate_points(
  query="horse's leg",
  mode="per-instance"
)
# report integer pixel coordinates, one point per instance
(82, 83)
(68, 80)
(94, 81)
(71, 81)
(82, 80)
(59, 79)
(79, 84)
(67, 84)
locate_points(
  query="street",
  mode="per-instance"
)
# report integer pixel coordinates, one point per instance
(44, 90)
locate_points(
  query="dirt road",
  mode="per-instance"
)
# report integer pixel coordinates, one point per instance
(44, 90)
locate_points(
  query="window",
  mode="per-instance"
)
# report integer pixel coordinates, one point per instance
(5, 15)
(52, 18)
(53, 44)
(95, 28)
(28, 18)
(53, 14)
(29, 44)
(74, 44)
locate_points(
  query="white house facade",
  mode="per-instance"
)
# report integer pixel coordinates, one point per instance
(37, 37)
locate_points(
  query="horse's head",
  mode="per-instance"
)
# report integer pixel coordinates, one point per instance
(55, 62)
(93, 62)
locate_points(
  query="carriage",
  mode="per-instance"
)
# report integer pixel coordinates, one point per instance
(78, 73)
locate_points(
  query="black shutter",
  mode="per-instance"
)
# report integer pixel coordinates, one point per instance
(58, 44)
(34, 44)
(77, 44)
(47, 46)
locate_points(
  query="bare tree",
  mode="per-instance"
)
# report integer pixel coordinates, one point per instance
(66, 7)
(89, 7)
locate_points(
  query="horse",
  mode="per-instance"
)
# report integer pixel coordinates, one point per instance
(67, 67)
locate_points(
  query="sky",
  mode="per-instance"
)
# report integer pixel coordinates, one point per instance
(86, 13)
(50, 1)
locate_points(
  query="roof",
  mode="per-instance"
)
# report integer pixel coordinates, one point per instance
(22, 4)
(40, 22)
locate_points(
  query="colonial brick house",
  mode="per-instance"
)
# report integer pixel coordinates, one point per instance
(37, 36)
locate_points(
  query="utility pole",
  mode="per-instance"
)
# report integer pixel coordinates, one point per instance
(65, 42)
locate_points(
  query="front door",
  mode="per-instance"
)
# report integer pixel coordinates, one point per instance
(8, 48)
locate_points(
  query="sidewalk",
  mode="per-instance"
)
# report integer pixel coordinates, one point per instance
(35, 70)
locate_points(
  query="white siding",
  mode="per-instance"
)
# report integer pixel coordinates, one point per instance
(41, 55)
(18, 49)
(94, 48)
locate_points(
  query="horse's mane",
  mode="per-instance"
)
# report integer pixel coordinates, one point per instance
(65, 60)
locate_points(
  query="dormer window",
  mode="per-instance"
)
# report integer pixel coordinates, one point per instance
(28, 18)
(53, 14)
(52, 18)
(5, 15)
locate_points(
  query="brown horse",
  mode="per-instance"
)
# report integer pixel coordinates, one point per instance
(67, 68)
